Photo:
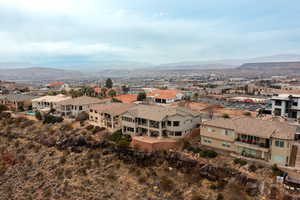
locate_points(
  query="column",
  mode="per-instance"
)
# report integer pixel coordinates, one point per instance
(148, 132)
(134, 127)
(160, 130)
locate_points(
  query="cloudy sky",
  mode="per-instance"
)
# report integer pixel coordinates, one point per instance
(80, 32)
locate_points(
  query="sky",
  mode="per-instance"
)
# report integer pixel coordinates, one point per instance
(94, 32)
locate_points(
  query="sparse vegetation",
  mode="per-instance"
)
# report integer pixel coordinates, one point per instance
(51, 119)
(276, 171)
(141, 96)
(239, 161)
(226, 116)
(38, 115)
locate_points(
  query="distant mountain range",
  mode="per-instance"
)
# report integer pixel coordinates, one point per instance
(126, 69)
(230, 63)
(272, 65)
(38, 73)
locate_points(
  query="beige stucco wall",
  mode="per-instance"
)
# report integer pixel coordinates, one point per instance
(218, 144)
(284, 152)
(217, 133)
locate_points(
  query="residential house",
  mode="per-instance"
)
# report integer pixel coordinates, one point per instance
(48, 102)
(108, 115)
(270, 141)
(72, 107)
(57, 85)
(159, 121)
(165, 96)
(17, 101)
(286, 105)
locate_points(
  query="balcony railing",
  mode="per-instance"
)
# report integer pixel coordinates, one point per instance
(254, 142)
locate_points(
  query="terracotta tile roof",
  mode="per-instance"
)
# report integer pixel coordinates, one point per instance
(158, 113)
(97, 90)
(84, 100)
(113, 108)
(57, 98)
(256, 127)
(56, 84)
(164, 94)
(127, 98)
(17, 97)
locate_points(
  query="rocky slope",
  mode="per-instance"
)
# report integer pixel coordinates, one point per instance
(62, 162)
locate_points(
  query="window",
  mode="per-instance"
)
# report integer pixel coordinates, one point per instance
(210, 129)
(295, 103)
(227, 132)
(80, 107)
(279, 143)
(169, 123)
(178, 133)
(279, 159)
(277, 103)
(176, 123)
(206, 140)
(226, 144)
(91, 110)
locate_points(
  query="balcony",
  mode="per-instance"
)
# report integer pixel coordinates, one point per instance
(263, 146)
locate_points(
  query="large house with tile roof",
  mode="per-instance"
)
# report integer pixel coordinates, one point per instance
(72, 107)
(271, 141)
(159, 121)
(109, 115)
(165, 96)
(46, 103)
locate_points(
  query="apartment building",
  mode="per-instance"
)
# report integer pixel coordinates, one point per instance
(286, 105)
(48, 102)
(159, 121)
(72, 107)
(271, 141)
(108, 115)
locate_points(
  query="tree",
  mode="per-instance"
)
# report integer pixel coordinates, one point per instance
(196, 96)
(38, 115)
(112, 93)
(125, 89)
(108, 83)
(226, 116)
(141, 96)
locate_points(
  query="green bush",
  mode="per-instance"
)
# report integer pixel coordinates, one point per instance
(226, 116)
(252, 168)
(38, 116)
(50, 119)
(207, 153)
(247, 113)
(239, 161)
(276, 171)
(120, 139)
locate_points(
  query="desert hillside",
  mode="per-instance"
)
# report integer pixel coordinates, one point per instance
(65, 161)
